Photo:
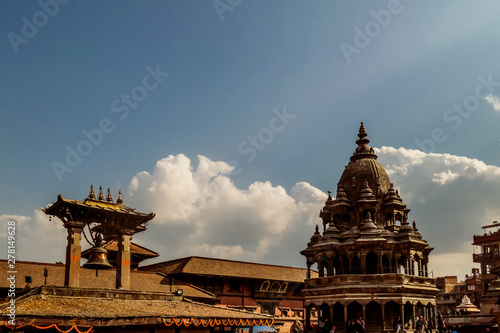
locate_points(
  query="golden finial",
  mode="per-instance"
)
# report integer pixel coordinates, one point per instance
(362, 130)
(91, 193)
(120, 200)
(108, 196)
(100, 196)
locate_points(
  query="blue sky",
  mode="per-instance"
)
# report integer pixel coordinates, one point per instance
(233, 66)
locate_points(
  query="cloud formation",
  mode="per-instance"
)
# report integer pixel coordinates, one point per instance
(201, 212)
(450, 198)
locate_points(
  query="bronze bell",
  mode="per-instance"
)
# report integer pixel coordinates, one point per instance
(98, 258)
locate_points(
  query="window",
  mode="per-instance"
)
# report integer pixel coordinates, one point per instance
(234, 286)
(274, 286)
(283, 287)
(265, 286)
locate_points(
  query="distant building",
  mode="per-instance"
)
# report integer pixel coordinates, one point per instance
(371, 260)
(451, 292)
(257, 288)
(489, 256)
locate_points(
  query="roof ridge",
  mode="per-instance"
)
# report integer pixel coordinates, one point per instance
(226, 308)
(248, 262)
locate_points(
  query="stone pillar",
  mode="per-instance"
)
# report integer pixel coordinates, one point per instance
(413, 315)
(362, 257)
(123, 263)
(73, 254)
(321, 270)
(329, 267)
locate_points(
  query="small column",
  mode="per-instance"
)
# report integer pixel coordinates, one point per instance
(308, 317)
(414, 315)
(380, 268)
(402, 306)
(345, 316)
(73, 254)
(383, 319)
(123, 263)
(362, 258)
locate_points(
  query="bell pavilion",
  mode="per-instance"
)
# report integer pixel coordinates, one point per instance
(371, 260)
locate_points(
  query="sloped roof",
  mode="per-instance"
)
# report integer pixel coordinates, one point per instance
(230, 268)
(56, 304)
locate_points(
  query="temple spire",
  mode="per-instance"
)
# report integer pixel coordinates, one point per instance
(91, 193)
(100, 196)
(108, 196)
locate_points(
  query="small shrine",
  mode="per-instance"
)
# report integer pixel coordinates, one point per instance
(107, 221)
(371, 261)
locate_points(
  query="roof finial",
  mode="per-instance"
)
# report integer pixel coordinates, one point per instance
(91, 193)
(363, 150)
(108, 196)
(100, 197)
(119, 200)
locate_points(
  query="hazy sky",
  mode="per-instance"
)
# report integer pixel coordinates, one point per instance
(232, 118)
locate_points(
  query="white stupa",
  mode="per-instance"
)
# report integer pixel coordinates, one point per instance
(467, 305)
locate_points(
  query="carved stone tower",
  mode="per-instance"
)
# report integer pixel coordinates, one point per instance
(371, 261)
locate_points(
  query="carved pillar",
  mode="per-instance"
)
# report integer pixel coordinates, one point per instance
(402, 307)
(321, 270)
(73, 254)
(123, 263)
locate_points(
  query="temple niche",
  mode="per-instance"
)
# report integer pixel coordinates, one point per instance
(370, 259)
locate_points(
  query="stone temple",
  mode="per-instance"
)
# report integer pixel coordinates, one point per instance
(371, 261)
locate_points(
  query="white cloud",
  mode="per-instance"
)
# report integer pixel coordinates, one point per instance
(37, 238)
(450, 198)
(494, 101)
(445, 177)
(200, 211)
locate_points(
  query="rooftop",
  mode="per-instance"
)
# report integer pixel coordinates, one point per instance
(229, 268)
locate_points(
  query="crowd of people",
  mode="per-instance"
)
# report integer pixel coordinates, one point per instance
(357, 325)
